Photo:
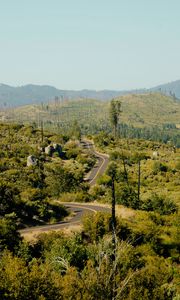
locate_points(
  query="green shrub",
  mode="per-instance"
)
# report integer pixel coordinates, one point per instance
(160, 204)
(97, 225)
(128, 197)
(9, 236)
(159, 167)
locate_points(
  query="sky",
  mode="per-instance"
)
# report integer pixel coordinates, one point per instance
(90, 44)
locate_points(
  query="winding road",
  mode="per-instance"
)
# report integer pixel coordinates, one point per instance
(78, 209)
(100, 166)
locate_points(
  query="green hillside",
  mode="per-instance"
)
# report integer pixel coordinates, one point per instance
(144, 115)
(150, 109)
(138, 110)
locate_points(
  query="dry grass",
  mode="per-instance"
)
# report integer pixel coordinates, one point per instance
(124, 212)
(33, 235)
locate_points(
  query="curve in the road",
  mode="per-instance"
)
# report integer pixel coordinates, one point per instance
(79, 211)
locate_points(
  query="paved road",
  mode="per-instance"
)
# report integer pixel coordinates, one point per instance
(100, 166)
(79, 209)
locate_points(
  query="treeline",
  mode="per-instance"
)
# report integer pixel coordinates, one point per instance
(165, 134)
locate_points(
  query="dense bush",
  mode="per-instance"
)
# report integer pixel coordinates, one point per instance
(160, 204)
(80, 266)
(159, 167)
(9, 236)
(128, 197)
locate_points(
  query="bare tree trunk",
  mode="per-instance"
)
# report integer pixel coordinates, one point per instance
(42, 132)
(139, 178)
(125, 172)
(113, 224)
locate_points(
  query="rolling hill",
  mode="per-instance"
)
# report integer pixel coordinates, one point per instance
(139, 110)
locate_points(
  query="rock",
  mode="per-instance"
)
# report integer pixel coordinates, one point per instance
(57, 148)
(155, 154)
(41, 149)
(31, 161)
(49, 150)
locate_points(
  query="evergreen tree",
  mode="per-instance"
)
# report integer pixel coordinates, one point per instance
(115, 110)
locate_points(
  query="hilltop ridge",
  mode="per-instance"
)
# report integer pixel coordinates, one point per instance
(32, 94)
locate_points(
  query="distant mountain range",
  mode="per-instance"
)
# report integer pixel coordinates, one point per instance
(30, 94)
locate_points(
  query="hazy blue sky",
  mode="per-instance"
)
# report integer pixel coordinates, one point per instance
(94, 44)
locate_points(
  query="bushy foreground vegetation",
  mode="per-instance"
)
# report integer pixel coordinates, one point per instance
(83, 265)
(80, 266)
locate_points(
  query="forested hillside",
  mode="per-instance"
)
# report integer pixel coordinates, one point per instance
(148, 116)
